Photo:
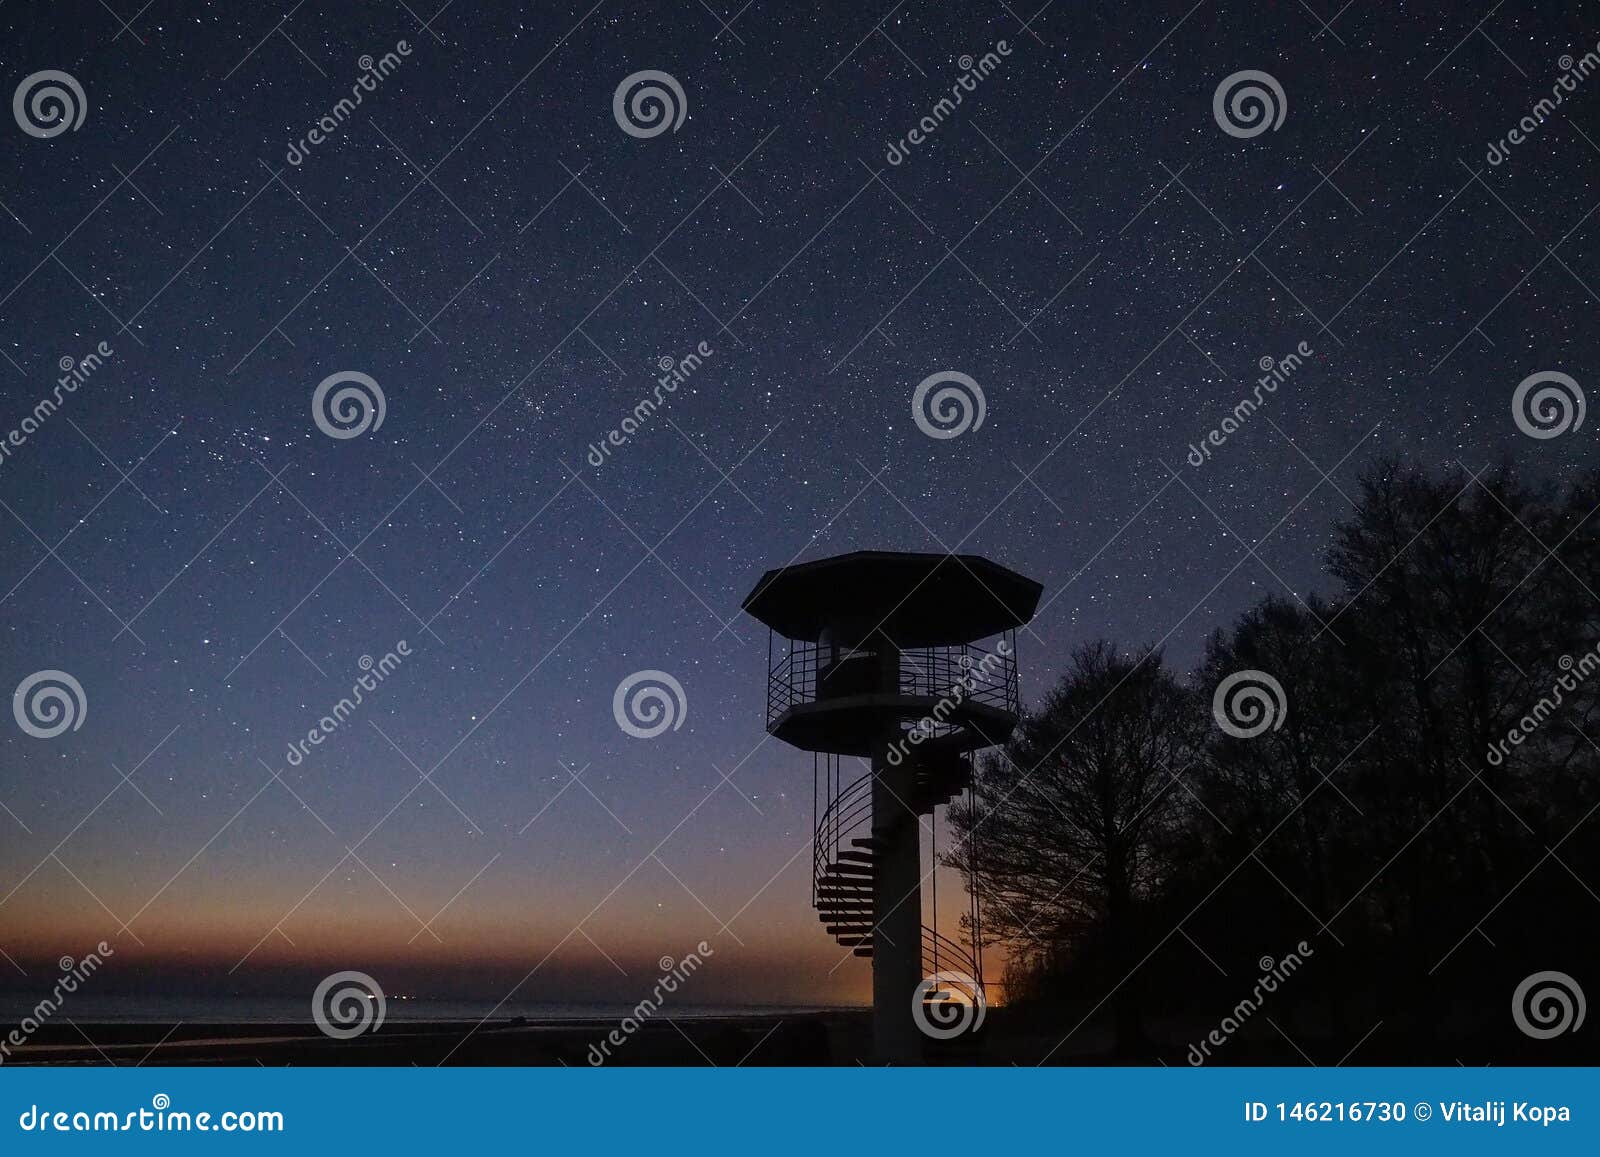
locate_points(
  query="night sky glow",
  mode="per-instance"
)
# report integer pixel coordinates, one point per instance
(482, 239)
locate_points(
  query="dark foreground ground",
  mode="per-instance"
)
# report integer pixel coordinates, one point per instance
(1009, 1036)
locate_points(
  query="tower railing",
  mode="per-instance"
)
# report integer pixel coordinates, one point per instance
(957, 672)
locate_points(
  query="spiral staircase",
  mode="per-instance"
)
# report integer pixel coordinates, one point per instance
(844, 855)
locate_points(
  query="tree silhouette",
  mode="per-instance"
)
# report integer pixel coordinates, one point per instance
(1059, 834)
(1425, 809)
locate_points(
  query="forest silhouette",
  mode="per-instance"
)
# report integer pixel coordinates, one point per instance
(1414, 828)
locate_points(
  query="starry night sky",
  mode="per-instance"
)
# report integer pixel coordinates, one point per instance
(482, 238)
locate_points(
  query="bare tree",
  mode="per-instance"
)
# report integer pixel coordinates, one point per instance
(1059, 835)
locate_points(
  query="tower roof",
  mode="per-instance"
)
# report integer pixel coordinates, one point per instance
(917, 600)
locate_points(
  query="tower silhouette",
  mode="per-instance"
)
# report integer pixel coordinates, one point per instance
(882, 658)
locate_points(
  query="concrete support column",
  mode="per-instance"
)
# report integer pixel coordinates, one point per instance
(896, 900)
(897, 909)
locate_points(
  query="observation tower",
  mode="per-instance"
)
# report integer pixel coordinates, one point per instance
(907, 662)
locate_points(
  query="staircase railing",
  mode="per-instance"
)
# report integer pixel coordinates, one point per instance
(942, 954)
(848, 811)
